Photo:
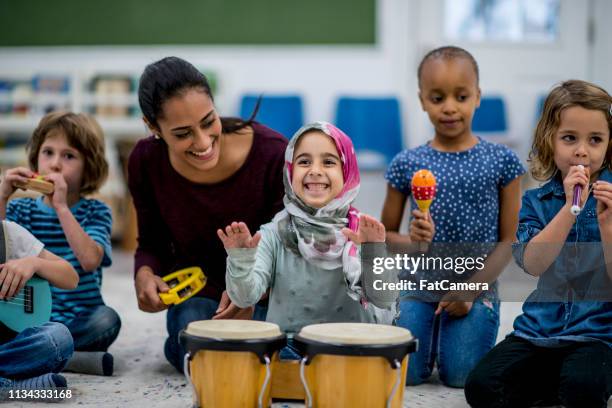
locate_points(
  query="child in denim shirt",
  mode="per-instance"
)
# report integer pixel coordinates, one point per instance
(560, 351)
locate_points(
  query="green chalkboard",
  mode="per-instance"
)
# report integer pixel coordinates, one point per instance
(127, 22)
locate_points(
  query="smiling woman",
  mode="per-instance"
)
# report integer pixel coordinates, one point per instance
(197, 173)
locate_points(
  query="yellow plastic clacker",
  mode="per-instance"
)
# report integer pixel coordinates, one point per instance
(183, 284)
(37, 183)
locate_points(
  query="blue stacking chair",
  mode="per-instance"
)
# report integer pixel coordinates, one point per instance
(490, 117)
(374, 125)
(283, 113)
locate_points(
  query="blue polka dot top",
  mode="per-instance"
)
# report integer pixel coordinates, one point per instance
(466, 205)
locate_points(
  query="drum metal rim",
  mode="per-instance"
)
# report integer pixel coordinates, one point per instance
(390, 351)
(260, 347)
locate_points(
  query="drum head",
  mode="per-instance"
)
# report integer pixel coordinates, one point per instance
(356, 334)
(233, 329)
(355, 339)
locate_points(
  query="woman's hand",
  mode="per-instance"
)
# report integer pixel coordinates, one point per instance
(422, 228)
(577, 175)
(369, 230)
(14, 274)
(237, 235)
(228, 310)
(148, 286)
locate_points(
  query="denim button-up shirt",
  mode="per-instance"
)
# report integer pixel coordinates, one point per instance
(547, 323)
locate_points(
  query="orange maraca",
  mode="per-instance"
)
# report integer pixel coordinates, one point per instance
(423, 189)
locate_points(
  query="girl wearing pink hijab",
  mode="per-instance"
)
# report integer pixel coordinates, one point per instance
(310, 255)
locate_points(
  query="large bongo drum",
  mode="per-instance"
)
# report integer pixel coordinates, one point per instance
(354, 364)
(229, 362)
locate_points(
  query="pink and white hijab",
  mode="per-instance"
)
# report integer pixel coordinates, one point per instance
(316, 233)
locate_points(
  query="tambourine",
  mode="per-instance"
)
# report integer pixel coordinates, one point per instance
(183, 284)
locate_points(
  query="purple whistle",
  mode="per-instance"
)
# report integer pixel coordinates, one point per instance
(576, 201)
(575, 209)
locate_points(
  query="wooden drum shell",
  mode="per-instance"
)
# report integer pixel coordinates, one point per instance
(354, 381)
(355, 365)
(227, 361)
(229, 378)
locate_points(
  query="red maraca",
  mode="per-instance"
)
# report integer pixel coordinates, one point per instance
(423, 189)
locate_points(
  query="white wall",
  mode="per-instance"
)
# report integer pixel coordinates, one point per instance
(319, 73)
(406, 30)
(520, 73)
(601, 67)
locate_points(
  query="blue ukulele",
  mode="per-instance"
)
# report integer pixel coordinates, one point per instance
(30, 307)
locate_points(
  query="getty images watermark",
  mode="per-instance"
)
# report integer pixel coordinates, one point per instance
(576, 272)
(414, 265)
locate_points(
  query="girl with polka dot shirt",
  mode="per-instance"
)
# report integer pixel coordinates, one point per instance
(477, 202)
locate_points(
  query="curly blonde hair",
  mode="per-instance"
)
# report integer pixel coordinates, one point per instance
(567, 94)
(84, 134)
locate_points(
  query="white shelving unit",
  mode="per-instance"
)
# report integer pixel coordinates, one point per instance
(78, 98)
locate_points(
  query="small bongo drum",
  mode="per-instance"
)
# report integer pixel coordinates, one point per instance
(354, 364)
(228, 362)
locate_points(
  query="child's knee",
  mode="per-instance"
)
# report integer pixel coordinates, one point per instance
(454, 378)
(481, 390)
(174, 354)
(584, 393)
(454, 372)
(418, 372)
(191, 310)
(414, 379)
(106, 319)
(57, 341)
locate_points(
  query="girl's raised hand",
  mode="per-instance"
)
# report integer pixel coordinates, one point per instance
(11, 178)
(602, 191)
(237, 235)
(422, 228)
(369, 230)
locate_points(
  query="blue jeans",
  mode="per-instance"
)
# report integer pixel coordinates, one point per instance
(289, 352)
(191, 310)
(95, 330)
(35, 351)
(456, 344)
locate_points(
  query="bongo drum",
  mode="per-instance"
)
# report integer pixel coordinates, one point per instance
(228, 362)
(354, 364)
